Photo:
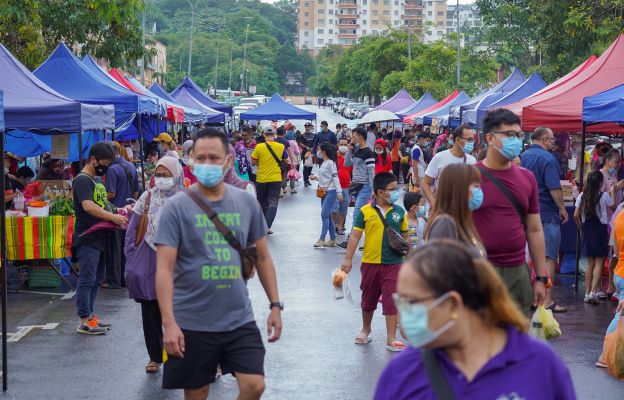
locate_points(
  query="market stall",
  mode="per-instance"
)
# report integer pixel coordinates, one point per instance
(425, 101)
(400, 101)
(409, 119)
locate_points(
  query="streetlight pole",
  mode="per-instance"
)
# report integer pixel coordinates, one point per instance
(143, 44)
(216, 74)
(409, 42)
(244, 58)
(193, 5)
(230, 81)
(458, 47)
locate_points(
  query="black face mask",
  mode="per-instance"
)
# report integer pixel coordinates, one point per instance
(100, 170)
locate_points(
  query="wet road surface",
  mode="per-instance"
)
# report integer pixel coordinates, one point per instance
(315, 359)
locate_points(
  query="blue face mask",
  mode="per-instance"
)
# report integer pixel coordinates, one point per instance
(476, 200)
(394, 196)
(468, 147)
(208, 175)
(421, 212)
(512, 147)
(450, 142)
(415, 322)
(612, 171)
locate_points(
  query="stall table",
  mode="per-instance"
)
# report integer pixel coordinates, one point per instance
(40, 238)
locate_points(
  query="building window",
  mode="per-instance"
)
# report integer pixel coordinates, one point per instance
(320, 21)
(375, 22)
(396, 12)
(375, 31)
(440, 23)
(363, 22)
(364, 32)
(320, 1)
(320, 31)
(430, 13)
(330, 41)
(331, 11)
(306, 4)
(396, 22)
(375, 12)
(331, 22)
(396, 2)
(386, 2)
(306, 14)
(364, 12)
(375, 2)
(321, 11)
(320, 41)
(440, 13)
(305, 23)
(386, 12)
(331, 31)
(331, 1)
(305, 33)
(365, 2)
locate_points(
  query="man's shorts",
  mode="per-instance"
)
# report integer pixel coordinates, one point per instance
(552, 239)
(379, 280)
(518, 282)
(240, 350)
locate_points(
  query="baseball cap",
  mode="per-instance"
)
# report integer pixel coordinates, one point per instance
(163, 137)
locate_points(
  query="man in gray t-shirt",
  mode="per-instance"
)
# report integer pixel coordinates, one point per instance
(206, 311)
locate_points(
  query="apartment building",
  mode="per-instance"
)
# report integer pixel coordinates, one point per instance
(440, 19)
(343, 22)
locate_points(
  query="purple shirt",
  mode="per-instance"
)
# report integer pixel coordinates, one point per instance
(122, 179)
(526, 369)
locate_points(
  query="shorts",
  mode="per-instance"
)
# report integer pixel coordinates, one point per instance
(518, 282)
(379, 280)
(240, 350)
(552, 239)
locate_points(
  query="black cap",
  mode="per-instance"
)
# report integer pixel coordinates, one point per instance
(308, 124)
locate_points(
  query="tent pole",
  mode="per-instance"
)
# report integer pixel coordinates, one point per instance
(80, 153)
(578, 232)
(138, 117)
(4, 277)
(113, 136)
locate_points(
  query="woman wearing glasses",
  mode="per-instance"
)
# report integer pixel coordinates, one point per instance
(468, 339)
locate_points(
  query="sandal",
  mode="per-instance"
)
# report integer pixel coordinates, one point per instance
(362, 338)
(152, 367)
(395, 347)
(556, 308)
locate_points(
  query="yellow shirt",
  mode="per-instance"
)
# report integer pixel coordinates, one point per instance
(268, 169)
(376, 248)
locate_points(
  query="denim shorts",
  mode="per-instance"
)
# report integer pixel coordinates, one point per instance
(552, 239)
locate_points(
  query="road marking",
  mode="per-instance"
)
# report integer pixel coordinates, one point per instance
(24, 330)
(66, 296)
(69, 295)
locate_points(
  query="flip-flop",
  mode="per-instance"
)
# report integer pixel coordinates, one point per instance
(600, 364)
(362, 338)
(395, 347)
(152, 367)
(556, 308)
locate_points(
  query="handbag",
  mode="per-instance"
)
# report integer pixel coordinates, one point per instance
(143, 221)
(439, 383)
(248, 255)
(321, 192)
(396, 242)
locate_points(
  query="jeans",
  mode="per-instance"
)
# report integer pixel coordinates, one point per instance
(267, 194)
(92, 271)
(342, 207)
(405, 169)
(619, 285)
(362, 198)
(327, 204)
(396, 169)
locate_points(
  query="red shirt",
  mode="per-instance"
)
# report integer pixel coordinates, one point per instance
(380, 166)
(498, 222)
(344, 173)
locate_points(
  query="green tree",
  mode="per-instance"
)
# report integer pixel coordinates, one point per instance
(20, 30)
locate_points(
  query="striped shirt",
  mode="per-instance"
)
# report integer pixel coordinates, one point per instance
(363, 162)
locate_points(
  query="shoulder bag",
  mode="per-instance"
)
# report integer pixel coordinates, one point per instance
(439, 383)
(396, 242)
(512, 199)
(248, 255)
(143, 221)
(129, 176)
(280, 163)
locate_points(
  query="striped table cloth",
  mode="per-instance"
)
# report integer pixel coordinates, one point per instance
(35, 238)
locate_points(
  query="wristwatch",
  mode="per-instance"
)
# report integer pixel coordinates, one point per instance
(278, 304)
(543, 279)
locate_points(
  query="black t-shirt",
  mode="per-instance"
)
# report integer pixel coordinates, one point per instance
(282, 141)
(16, 185)
(84, 188)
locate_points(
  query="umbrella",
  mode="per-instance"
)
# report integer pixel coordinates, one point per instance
(378, 116)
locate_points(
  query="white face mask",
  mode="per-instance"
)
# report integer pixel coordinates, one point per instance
(343, 149)
(378, 151)
(164, 183)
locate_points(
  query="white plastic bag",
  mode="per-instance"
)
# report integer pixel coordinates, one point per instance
(343, 291)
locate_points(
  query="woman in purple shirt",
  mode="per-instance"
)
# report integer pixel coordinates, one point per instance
(467, 334)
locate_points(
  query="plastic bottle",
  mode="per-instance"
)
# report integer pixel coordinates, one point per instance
(47, 194)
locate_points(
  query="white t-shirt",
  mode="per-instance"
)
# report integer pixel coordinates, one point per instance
(419, 157)
(601, 207)
(444, 158)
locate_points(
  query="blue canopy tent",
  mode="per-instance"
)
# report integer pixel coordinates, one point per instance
(195, 91)
(441, 112)
(469, 115)
(277, 108)
(184, 97)
(148, 122)
(425, 101)
(1, 112)
(532, 85)
(509, 84)
(191, 115)
(32, 108)
(604, 107)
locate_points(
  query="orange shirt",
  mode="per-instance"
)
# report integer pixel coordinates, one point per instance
(618, 233)
(395, 152)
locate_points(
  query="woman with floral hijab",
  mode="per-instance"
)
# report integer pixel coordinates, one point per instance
(140, 252)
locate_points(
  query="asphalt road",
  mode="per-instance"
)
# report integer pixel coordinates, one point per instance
(315, 359)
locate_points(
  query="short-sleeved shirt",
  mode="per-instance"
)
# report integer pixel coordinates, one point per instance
(546, 170)
(498, 222)
(618, 233)
(419, 157)
(376, 248)
(526, 368)
(268, 169)
(123, 180)
(84, 188)
(209, 293)
(444, 158)
(344, 173)
(601, 208)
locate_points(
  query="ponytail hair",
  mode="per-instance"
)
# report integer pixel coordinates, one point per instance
(446, 265)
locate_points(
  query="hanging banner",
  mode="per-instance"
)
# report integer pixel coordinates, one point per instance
(60, 147)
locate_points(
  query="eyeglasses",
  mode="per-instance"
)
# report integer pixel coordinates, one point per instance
(404, 301)
(467, 140)
(518, 134)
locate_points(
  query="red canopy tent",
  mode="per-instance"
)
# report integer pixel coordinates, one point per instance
(174, 114)
(561, 108)
(564, 79)
(409, 119)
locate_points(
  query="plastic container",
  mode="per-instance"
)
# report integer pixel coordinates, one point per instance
(38, 209)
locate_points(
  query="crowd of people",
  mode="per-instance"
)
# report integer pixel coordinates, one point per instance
(461, 242)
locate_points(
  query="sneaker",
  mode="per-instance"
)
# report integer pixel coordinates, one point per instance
(330, 243)
(320, 244)
(293, 191)
(100, 323)
(343, 245)
(601, 295)
(615, 297)
(90, 327)
(593, 299)
(586, 299)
